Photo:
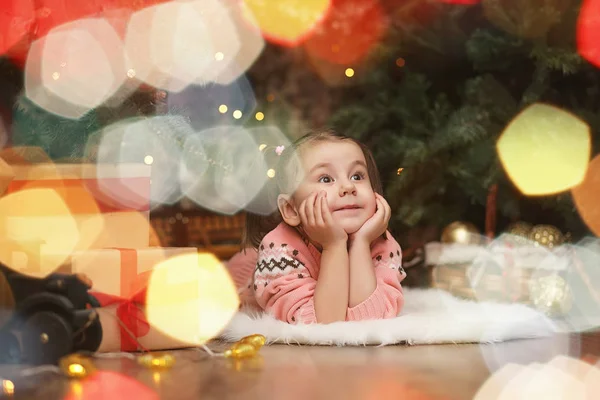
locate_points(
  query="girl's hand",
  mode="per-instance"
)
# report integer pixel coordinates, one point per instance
(318, 222)
(376, 225)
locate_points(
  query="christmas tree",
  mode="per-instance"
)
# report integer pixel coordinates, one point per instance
(442, 91)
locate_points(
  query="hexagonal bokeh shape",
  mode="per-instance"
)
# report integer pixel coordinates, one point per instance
(545, 150)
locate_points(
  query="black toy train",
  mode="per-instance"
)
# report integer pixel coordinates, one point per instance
(44, 319)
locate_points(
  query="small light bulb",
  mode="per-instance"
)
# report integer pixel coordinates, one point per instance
(222, 108)
(237, 114)
(148, 160)
(349, 72)
(260, 116)
(8, 387)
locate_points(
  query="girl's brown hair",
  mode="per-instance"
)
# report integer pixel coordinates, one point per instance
(257, 226)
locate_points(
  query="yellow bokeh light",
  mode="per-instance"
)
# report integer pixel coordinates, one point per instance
(545, 150)
(8, 387)
(237, 114)
(287, 21)
(222, 108)
(38, 224)
(191, 297)
(260, 116)
(262, 147)
(349, 72)
(148, 160)
(271, 173)
(77, 370)
(219, 56)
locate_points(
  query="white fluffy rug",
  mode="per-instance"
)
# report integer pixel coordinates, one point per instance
(429, 316)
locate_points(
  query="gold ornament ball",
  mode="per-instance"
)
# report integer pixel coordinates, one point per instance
(546, 235)
(519, 232)
(257, 341)
(461, 232)
(520, 228)
(551, 295)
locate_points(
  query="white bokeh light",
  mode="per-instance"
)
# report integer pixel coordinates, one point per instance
(223, 169)
(269, 139)
(135, 141)
(252, 44)
(75, 68)
(175, 44)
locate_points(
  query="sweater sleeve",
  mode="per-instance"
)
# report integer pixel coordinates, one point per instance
(283, 285)
(387, 299)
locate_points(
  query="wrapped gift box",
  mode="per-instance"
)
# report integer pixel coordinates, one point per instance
(118, 272)
(110, 204)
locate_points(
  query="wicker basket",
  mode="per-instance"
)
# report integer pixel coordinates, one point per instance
(218, 234)
(211, 232)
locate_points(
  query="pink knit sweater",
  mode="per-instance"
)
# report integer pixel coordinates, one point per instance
(287, 270)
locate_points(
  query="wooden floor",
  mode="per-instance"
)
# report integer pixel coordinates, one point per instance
(305, 372)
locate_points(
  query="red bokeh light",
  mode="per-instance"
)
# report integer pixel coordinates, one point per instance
(16, 19)
(588, 31)
(348, 32)
(22, 21)
(110, 385)
(586, 195)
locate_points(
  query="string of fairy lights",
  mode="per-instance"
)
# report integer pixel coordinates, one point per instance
(79, 366)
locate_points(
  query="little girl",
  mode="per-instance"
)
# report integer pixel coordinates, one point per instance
(327, 256)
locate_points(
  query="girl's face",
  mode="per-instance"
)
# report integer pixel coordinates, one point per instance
(340, 169)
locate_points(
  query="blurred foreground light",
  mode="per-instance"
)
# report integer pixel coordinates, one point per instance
(75, 68)
(33, 222)
(587, 196)
(222, 169)
(191, 298)
(545, 150)
(134, 142)
(251, 44)
(175, 44)
(109, 385)
(348, 32)
(588, 31)
(561, 378)
(16, 20)
(288, 22)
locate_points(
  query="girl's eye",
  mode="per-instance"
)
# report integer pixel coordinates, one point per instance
(357, 177)
(325, 179)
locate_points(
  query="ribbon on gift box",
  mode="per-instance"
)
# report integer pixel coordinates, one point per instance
(133, 296)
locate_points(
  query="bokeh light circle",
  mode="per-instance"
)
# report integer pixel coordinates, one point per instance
(545, 150)
(80, 63)
(191, 297)
(287, 22)
(222, 169)
(131, 142)
(588, 31)
(587, 196)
